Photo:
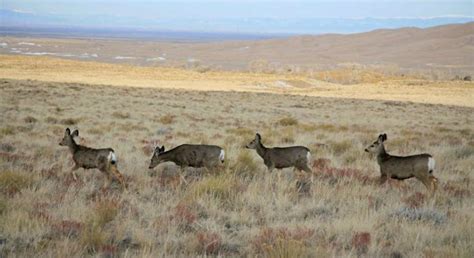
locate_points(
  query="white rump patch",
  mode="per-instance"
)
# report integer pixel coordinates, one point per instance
(431, 164)
(308, 156)
(112, 158)
(222, 156)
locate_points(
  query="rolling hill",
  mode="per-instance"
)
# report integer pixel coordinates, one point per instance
(449, 47)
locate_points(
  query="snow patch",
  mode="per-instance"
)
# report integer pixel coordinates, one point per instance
(125, 57)
(152, 59)
(27, 44)
(282, 84)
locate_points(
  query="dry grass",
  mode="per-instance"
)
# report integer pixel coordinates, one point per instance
(241, 210)
(368, 85)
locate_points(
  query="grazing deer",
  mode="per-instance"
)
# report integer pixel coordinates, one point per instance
(189, 155)
(88, 158)
(294, 156)
(420, 166)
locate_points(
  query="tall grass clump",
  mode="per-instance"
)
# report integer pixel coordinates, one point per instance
(3, 206)
(12, 182)
(222, 187)
(245, 166)
(94, 235)
(70, 121)
(284, 242)
(120, 115)
(105, 211)
(167, 119)
(340, 147)
(288, 121)
(7, 130)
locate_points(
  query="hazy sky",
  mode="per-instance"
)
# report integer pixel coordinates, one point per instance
(244, 8)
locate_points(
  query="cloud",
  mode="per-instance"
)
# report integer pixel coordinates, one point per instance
(22, 11)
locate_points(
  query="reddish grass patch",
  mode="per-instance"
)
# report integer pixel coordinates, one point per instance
(51, 173)
(185, 216)
(10, 156)
(415, 200)
(323, 169)
(40, 211)
(68, 228)
(209, 242)
(108, 250)
(361, 242)
(456, 191)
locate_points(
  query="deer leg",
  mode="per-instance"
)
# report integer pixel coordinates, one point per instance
(113, 169)
(383, 179)
(426, 180)
(433, 183)
(303, 166)
(307, 169)
(183, 179)
(73, 172)
(107, 182)
(270, 168)
(105, 169)
(209, 170)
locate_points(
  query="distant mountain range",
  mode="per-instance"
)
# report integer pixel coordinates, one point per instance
(449, 48)
(252, 26)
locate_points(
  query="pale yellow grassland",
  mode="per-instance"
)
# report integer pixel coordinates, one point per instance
(59, 70)
(241, 210)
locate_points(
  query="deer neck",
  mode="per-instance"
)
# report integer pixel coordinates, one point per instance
(261, 150)
(73, 146)
(382, 155)
(167, 156)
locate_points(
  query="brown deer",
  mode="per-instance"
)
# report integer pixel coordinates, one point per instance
(189, 155)
(420, 166)
(88, 158)
(294, 156)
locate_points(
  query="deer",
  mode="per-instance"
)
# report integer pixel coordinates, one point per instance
(189, 155)
(282, 157)
(420, 166)
(84, 157)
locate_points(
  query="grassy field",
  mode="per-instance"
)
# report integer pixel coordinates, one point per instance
(242, 210)
(367, 85)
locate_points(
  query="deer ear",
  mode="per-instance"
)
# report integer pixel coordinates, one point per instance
(380, 139)
(68, 131)
(162, 149)
(258, 136)
(75, 133)
(384, 137)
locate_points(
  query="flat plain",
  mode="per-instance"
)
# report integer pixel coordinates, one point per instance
(241, 210)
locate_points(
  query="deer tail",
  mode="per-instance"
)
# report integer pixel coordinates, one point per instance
(112, 158)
